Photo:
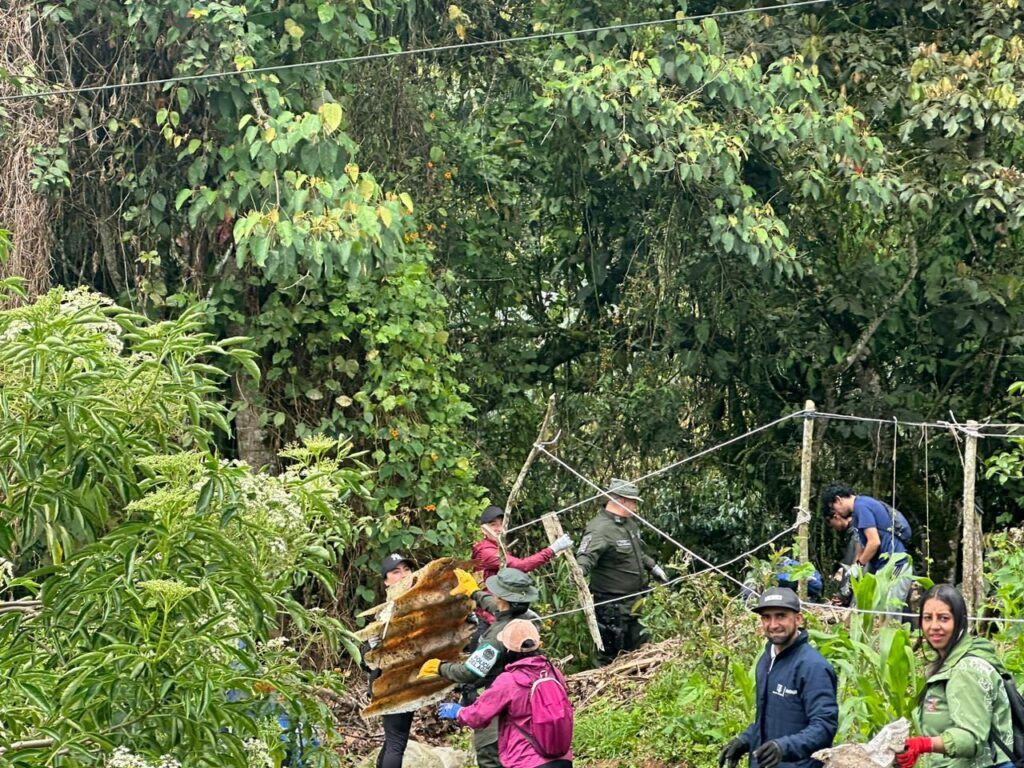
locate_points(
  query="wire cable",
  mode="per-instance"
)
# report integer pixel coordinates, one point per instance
(649, 524)
(410, 52)
(662, 470)
(685, 576)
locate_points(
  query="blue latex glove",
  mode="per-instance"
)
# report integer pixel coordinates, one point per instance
(449, 710)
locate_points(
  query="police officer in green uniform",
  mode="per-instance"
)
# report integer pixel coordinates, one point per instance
(511, 592)
(612, 555)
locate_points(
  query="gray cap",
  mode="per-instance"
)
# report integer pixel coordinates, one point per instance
(625, 489)
(778, 597)
(491, 514)
(513, 585)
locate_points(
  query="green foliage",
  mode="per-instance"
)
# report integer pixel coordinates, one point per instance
(86, 391)
(392, 387)
(1007, 467)
(874, 658)
(163, 634)
(694, 703)
(169, 576)
(1004, 561)
(677, 717)
(249, 193)
(5, 246)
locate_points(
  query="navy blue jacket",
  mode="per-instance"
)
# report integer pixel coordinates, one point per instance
(796, 704)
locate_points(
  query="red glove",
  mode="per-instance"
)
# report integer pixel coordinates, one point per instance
(913, 749)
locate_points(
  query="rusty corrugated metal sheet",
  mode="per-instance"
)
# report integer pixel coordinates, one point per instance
(419, 622)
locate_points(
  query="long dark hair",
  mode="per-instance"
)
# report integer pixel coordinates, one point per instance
(950, 595)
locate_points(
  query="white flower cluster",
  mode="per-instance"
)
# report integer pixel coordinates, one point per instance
(270, 507)
(82, 298)
(258, 753)
(11, 331)
(166, 592)
(125, 758)
(277, 643)
(228, 625)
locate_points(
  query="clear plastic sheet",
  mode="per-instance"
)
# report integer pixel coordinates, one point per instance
(877, 753)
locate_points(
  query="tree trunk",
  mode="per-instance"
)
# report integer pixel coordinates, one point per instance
(26, 213)
(254, 446)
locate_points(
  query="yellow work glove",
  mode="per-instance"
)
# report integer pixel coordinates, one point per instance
(467, 584)
(430, 668)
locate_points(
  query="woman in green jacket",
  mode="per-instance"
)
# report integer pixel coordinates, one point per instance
(964, 709)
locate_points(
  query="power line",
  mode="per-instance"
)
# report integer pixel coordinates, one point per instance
(409, 52)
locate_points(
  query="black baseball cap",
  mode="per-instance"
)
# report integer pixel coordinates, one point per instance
(491, 514)
(778, 597)
(392, 561)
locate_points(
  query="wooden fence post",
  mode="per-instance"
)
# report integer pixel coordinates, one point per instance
(806, 451)
(971, 560)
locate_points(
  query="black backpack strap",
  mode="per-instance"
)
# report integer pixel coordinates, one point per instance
(994, 741)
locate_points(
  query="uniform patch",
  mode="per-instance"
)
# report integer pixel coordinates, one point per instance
(584, 544)
(482, 660)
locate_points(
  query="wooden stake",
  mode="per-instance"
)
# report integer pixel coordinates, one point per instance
(806, 453)
(553, 528)
(543, 435)
(971, 561)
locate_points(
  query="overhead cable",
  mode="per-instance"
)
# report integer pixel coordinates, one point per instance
(409, 52)
(634, 514)
(662, 470)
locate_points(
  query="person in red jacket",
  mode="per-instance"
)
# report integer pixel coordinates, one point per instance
(487, 558)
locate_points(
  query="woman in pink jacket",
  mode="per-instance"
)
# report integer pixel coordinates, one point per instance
(520, 743)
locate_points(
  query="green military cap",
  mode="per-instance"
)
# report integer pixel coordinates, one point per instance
(513, 585)
(625, 489)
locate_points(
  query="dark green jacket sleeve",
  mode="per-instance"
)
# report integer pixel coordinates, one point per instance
(457, 673)
(487, 601)
(590, 548)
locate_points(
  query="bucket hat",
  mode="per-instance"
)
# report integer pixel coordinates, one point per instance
(625, 489)
(513, 585)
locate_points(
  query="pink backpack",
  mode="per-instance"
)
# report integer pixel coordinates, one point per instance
(550, 716)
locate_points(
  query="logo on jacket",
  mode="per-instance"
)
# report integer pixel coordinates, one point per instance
(781, 690)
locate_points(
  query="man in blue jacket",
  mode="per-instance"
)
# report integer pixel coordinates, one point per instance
(883, 533)
(797, 711)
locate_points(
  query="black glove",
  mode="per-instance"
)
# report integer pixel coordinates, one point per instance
(732, 752)
(768, 755)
